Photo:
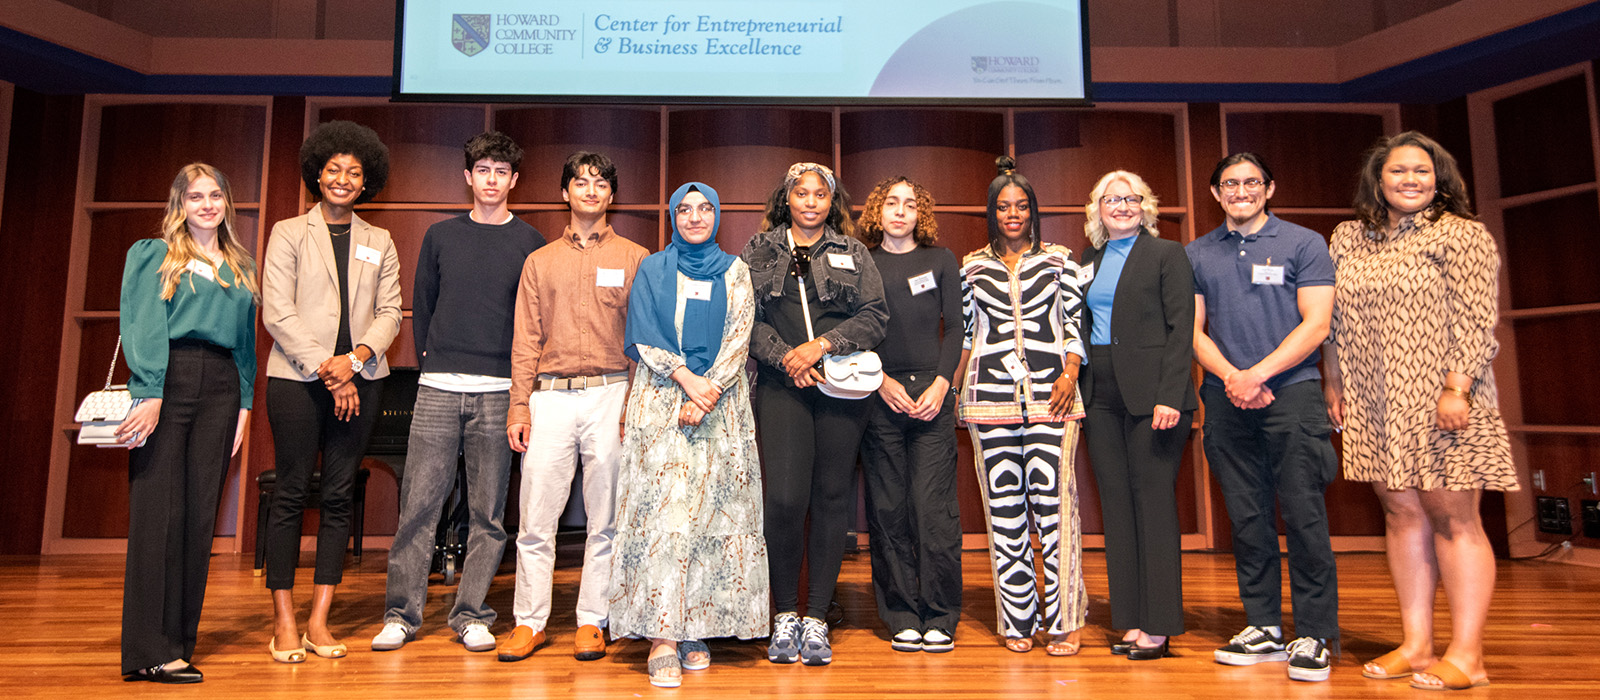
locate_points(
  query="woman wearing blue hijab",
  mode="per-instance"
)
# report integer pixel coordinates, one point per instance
(691, 561)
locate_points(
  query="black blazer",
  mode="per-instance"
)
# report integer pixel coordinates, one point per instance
(1152, 327)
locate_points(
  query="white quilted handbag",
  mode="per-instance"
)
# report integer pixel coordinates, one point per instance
(852, 376)
(101, 412)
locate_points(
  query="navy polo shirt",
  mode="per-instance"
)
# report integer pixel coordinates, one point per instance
(1248, 321)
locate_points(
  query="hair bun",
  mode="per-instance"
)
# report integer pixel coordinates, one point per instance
(1005, 165)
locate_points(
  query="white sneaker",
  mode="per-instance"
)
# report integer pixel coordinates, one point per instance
(906, 640)
(937, 641)
(477, 637)
(393, 636)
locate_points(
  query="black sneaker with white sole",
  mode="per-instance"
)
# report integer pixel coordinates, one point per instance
(1252, 645)
(1309, 659)
(937, 641)
(906, 640)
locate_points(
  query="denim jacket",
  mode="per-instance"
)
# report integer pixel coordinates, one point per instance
(859, 291)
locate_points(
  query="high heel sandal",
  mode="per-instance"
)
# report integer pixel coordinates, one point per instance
(1065, 646)
(329, 651)
(287, 656)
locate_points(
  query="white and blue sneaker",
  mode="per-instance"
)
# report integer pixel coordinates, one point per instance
(785, 645)
(814, 647)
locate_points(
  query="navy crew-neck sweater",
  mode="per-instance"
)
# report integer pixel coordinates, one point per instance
(465, 292)
(912, 342)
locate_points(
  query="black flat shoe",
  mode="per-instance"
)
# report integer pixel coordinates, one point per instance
(161, 674)
(1139, 653)
(1121, 648)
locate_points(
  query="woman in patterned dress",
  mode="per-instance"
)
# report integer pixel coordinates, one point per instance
(1021, 306)
(691, 562)
(1410, 381)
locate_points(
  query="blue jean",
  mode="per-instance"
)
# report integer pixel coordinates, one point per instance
(444, 425)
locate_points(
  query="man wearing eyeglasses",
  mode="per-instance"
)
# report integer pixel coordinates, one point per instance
(1263, 300)
(569, 387)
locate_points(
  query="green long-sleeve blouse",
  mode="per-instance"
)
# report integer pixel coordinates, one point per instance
(200, 309)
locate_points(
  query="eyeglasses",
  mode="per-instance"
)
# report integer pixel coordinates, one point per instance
(1249, 185)
(1114, 200)
(704, 208)
(801, 265)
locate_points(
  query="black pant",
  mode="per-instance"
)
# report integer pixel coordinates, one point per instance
(303, 423)
(174, 483)
(809, 443)
(1280, 454)
(913, 516)
(1136, 469)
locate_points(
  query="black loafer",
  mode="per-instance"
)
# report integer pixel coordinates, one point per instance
(1139, 653)
(161, 674)
(1121, 648)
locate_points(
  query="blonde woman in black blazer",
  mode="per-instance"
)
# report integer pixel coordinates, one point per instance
(1139, 400)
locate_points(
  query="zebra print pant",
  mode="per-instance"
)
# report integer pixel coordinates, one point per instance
(1027, 476)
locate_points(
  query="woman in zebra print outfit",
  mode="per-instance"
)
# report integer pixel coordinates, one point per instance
(1021, 305)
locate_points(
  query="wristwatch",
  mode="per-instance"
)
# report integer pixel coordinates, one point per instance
(355, 362)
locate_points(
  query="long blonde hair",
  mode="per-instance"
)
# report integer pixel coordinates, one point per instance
(1095, 229)
(181, 248)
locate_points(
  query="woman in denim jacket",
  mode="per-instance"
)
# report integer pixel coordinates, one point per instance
(809, 440)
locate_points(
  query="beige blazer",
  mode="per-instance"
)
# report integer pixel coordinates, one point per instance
(300, 296)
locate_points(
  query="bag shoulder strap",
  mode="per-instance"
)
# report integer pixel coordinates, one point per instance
(805, 307)
(113, 369)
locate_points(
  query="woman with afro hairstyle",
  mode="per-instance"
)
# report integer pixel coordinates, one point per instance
(331, 300)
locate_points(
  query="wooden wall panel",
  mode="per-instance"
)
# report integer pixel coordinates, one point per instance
(424, 147)
(1551, 251)
(965, 232)
(736, 229)
(1542, 138)
(951, 153)
(629, 136)
(1063, 169)
(744, 153)
(1557, 390)
(97, 479)
(142, 146)
(1315, 156)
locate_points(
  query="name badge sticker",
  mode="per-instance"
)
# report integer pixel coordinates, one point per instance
(922, 283)
(368, 255)
(1085, 274)
(1266, 274)
(202, 269)
(607, 277)
(841, 261)
(1014, 366)
(697, 289)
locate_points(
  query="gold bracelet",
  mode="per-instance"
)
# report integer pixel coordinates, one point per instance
(1463, 393)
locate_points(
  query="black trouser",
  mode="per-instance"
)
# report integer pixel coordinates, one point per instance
(303, 423)
(1278, 453)
(913, 517)
(809, 443)
(174, 483)
(1136, 469)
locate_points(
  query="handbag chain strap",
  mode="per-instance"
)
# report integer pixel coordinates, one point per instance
(113, 369)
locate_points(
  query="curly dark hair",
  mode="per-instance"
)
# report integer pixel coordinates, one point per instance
(870, 226)
(1008, 176)
(495, 146)
(1450, 190)
(345, 138)
(579, 164)
(777, 213)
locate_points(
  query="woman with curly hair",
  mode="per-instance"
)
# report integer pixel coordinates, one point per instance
(188, 321)
(331, 300)
(909, 449)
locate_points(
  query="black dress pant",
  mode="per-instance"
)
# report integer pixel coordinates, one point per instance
(174, 484)
(909, 467)
(809, 443)
(1136, 469)
(304, 424)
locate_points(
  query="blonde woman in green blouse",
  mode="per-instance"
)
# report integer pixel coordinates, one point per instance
(188, 320)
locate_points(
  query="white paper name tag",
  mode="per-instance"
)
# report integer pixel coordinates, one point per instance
(1085, 274)
(368, 255)
(697, 289)
(203, 270)
(922, 283)
(1014, 365)
(1266, 274)
(841, 261)
(607, 277)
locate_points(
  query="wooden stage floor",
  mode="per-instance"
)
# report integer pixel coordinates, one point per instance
(63, 616)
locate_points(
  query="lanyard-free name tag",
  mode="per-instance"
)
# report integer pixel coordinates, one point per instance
(1266, 274)
(607, 277)
(922, 283)
(697, 289)
(202, 269)
(1085, 274)
(368, 255)
(1014, 366)
(841, 261)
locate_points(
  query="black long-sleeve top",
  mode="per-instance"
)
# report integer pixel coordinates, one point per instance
(923, 291)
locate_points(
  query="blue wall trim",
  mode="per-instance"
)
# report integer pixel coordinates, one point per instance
(1560, 40)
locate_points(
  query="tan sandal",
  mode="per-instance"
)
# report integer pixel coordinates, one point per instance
(1064, 646)
(1450, 677)
(1394, 665)
(1021, 645)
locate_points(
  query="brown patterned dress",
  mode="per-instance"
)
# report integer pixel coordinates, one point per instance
(1408, 309)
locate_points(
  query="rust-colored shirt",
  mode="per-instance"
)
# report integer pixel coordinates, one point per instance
(572, 309)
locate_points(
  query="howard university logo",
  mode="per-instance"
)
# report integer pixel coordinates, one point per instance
(469, 33)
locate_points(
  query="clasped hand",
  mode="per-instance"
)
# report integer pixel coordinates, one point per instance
(800, 363)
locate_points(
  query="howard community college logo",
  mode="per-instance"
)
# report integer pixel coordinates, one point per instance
(979, 63)
(469, 33)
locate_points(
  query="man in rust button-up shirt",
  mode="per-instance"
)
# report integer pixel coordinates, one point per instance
(569, 386)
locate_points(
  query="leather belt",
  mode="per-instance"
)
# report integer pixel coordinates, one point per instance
(570, 383)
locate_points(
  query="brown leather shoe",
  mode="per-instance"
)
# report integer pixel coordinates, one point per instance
(520, 644)
(589, 645)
